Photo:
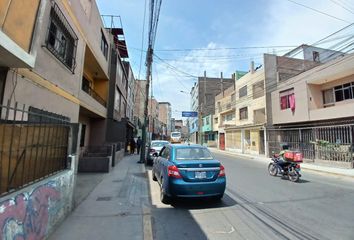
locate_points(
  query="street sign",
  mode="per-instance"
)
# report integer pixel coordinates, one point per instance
(189, 114)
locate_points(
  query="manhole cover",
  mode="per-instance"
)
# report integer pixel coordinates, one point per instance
(104, 199)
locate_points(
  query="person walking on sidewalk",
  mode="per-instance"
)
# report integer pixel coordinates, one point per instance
(138, 145)
(132, 146)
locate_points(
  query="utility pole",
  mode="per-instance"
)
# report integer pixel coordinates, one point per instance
(149, 55)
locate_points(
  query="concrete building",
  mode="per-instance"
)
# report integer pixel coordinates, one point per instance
(153, 116)
(140, 88)
(55, 60)
(203, 101)
(165, 115)
(244, 113)
(59, 60)
(315, 110)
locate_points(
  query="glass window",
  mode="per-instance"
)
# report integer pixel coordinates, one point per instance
(338, 92)
(193, 153)
(243, 92)
(233, 97)
(207, 121)
(216, 120)
(328, 97)
(258, 89)
(159, 144)
(104, 45)
(243, 113)
(284, 98)
(61, 39)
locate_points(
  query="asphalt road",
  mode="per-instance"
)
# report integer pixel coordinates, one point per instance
(259, 206)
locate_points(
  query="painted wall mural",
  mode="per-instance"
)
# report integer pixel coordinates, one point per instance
(31, 215)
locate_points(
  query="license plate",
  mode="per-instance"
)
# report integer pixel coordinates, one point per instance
(200, 175)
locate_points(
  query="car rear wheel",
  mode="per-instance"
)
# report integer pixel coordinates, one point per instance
(154, 177)
(163, 197)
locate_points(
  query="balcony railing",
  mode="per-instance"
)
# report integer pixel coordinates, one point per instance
(93, 94)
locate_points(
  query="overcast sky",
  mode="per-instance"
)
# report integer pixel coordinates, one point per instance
(220, 25)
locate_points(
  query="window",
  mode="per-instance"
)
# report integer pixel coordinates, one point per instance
(216, 120)
(61, 39)
(86, 85)
(104, 45)
(166, 153)
(243, 113)
(285, 98)
(344, 92)
(207, 121)
(242, 92)
(328, 97)
(258, 89)
(316, 56)
(82, 137)
(233, 98)
(229, 117)
(193, 153)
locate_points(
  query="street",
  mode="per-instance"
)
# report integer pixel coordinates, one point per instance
(259, 206)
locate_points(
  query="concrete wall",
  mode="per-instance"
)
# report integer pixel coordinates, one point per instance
(17, 20)
(209, 89)
(35, 211)
(308, 88)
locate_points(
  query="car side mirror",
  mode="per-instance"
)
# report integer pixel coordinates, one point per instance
(155, 154)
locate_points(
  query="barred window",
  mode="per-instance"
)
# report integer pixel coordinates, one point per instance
(61, 39)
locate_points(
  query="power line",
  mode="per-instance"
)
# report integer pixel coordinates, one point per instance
(142, 39)
(342, 6)
(318, 11)
(224, 48)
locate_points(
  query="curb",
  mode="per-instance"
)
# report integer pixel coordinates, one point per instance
(263, 159)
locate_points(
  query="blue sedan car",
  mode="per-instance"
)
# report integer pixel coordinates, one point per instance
(188, 171)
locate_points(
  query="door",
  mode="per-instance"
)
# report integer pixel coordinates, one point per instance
(261, 142)
(3, 73)
(222, 141)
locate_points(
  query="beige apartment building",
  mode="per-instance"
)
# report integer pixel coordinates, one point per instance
(165, 115)
(314, 112)
(242, 114)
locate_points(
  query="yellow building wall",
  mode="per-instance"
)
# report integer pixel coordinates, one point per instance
(101, 87)
(254, 140)
(17, 20)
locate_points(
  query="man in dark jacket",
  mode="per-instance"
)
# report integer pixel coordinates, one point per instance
(132, 146)
(138, 144)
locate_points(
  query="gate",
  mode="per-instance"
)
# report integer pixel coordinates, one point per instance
(329, 143)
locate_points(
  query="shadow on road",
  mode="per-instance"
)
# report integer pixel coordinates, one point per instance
(195, 203)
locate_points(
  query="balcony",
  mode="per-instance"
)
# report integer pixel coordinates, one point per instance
(87, 89)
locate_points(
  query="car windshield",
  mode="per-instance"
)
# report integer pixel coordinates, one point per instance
(175, 134)
(193, 153)
(158, 144)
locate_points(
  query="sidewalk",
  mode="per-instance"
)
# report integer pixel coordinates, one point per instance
(306, 166)
(118, 208)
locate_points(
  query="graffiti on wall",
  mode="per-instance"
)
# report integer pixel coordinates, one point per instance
(28, 214)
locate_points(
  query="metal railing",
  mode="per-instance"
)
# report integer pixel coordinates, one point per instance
(33, 145)
(328, 143)
(87, 89)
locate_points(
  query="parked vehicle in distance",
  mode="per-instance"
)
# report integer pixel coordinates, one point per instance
(176, 137)
(154, 148)
(188, 171)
